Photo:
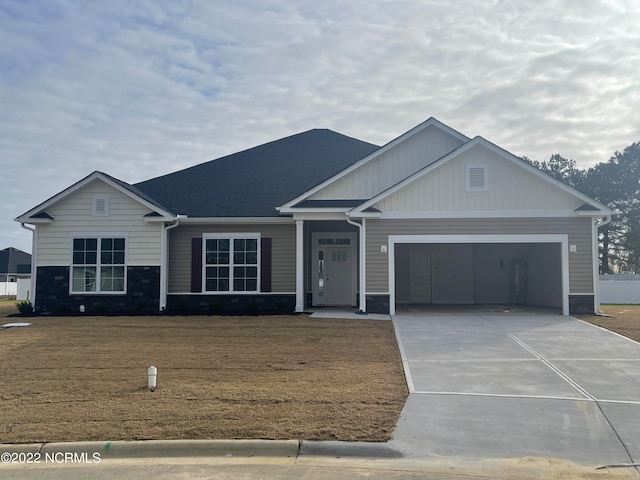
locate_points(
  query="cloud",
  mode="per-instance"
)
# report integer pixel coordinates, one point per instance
(139, 89)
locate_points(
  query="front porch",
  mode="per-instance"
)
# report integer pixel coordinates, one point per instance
(327, 264)
(344, 313)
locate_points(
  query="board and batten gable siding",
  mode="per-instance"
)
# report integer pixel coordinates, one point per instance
(578, 230)
(392, 166)
(283, 253)
(510, 187)
(73, 215)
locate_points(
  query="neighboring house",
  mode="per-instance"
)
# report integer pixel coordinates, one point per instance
(14, 264)
(321, 219)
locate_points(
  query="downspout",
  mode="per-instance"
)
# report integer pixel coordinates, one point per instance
(596, 272)
(362, 307)
(164, 263)
(34, 269)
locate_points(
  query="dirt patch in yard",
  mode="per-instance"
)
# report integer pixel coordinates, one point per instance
(279, 377)
(7, 307)
(625, 320)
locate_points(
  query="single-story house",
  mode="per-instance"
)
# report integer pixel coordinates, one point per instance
(14, 264)
(322, 219)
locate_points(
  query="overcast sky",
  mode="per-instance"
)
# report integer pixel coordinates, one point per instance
(141, 88)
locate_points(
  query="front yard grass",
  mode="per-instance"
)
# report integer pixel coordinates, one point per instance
(274, 377)
(7, 307)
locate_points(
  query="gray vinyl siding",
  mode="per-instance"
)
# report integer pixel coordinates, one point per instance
(578, 229)
(283, 259)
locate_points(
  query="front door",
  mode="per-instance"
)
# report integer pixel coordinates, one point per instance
(334, 269)
(338, 276)
(420, 272)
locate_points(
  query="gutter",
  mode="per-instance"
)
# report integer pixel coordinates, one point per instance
(164, 262)
(362, 302)
(596, 277)
(606, 221)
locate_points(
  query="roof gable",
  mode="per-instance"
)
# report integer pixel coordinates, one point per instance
(387, 165)
(38, 214)
(513, 185)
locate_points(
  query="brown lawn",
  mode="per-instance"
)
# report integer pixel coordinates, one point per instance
(278, 377)
(625, 320)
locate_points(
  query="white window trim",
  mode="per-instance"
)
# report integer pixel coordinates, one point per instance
(467, 177)
(231, 237)
(98, 237)
(94, 205)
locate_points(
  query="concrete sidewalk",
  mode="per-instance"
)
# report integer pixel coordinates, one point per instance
(265, 459)
(501, 386)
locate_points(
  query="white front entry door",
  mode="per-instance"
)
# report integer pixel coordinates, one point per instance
(334, 269)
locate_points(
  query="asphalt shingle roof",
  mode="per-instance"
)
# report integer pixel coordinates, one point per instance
(252, 183)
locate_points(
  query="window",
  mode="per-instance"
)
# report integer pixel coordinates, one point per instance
(231, 263)
(98, 265)
(476, 178)
(334, 241)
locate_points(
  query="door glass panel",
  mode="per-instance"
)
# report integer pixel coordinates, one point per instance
(321, 273)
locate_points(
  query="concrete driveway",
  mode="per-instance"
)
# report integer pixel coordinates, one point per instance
(517, 385)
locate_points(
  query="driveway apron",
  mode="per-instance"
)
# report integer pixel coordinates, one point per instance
(517, 385)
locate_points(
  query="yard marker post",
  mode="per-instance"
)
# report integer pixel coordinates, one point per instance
(152, 373)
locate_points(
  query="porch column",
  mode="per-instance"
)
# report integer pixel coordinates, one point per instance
(164, 262)
(363, 266)
(163, 270)
(596, 266)
(299, 266)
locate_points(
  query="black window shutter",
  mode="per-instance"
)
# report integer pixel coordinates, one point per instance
(265, 264)
(196, 264)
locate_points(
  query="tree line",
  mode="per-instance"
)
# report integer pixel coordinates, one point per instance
(615, 183)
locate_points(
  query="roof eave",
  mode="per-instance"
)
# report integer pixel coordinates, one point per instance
(364, 214)
(32, 221)
(222, 220)
(594, 213)
(160, 219)
(315, 210)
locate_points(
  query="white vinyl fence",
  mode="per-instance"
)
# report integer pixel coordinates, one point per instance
(8, 288)
(620, 288)
(20, 289)
(24, 289)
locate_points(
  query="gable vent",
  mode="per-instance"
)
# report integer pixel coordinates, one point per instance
(100, 206)
(476, 177)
